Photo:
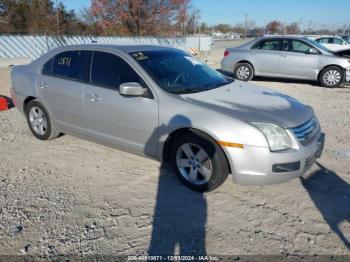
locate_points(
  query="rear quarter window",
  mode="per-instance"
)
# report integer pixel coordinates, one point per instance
(267, 44)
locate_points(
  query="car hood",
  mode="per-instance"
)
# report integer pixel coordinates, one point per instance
(251, 103)
(343, 53)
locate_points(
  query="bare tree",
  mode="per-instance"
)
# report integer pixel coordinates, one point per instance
(139, 17)
(292, 29)
(274, 27)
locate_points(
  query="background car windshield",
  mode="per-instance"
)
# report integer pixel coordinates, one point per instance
(178, 72)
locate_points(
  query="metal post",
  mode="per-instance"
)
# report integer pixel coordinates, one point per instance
(57, 18)
(245, 26)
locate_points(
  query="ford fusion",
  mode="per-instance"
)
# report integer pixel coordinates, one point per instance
(162, 103)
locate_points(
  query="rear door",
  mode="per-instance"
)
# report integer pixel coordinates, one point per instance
(266, 57)
(296, 60)
(60, 88)
(127, 122)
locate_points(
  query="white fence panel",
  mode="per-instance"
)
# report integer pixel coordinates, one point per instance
(32, 46)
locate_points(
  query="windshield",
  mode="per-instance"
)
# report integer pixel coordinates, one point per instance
(179, 73)
(319, 46)
(346, 39)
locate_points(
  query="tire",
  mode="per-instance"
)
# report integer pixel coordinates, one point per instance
(214, 161)
(331, 77)
(244, 72)
(39, 121)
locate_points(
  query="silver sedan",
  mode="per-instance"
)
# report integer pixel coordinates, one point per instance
(164, 104)
(287, 57)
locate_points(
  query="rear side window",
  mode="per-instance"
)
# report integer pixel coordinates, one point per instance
(268, 44)
(110, 71)
(71, 64)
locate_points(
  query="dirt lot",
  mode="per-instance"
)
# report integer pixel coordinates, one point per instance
(69, 196)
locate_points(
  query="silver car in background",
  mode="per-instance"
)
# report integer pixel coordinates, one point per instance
(287, 57)
(162, 103)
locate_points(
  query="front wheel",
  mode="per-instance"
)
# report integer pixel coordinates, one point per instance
(244, 72)
(199, 164)
(332, 77)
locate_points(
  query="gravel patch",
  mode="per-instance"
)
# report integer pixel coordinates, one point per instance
(73, 197)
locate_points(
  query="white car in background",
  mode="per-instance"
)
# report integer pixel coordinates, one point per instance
(334, 43)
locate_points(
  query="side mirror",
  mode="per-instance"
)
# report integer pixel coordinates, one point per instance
(132, 89)
(312, 51)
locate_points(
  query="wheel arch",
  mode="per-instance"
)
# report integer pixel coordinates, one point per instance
(188, 130)
(325, 67)
(26, 102)
(244, 61)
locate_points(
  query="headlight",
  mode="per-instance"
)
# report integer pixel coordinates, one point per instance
(276, 136)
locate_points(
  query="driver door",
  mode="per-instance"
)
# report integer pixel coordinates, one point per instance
(130, 123)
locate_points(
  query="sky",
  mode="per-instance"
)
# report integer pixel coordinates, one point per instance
(334, 13)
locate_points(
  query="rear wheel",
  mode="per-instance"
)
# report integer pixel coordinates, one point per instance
(40, 122)
(244, 72)
(332, 77)
(199, 164)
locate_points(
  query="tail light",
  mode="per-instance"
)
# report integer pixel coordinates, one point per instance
(226, 53)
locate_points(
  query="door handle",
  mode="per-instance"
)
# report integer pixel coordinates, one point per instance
(284, 55)
(94, 98)
(43, 85)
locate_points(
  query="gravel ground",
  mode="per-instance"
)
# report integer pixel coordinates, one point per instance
(73, 197)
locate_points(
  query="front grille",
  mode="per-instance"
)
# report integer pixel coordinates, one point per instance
(307, 131)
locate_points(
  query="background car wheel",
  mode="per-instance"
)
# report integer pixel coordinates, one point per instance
(332, 77)
(40, 122)
(199, 164)
(244, 72)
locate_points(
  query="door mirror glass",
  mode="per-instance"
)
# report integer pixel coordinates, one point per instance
(313, 51)
(132, 89)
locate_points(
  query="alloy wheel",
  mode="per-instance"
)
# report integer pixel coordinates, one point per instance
(243, 72)
(332, 77)
(38, 121)
(194, 164)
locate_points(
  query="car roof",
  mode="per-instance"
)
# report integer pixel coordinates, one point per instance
(332, 36)
(282, 37)
(123, 48)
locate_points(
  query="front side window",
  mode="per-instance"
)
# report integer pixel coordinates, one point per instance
(338, 41)
(177, 72)
(269, 44)
(299, 46)
(111, 71)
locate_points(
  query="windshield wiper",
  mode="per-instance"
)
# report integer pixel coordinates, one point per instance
(216, 85)
(191, 91)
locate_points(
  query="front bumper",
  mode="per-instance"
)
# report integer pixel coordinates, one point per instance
(347, 76)
(254, 165)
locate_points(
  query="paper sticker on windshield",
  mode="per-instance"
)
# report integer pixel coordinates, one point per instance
(193, 60)
(139, 56)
